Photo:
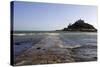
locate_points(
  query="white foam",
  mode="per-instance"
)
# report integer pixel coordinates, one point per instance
(23, 34)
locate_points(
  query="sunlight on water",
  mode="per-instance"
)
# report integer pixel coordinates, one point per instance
(52, 33)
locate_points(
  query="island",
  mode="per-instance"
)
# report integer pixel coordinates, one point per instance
(80, 25)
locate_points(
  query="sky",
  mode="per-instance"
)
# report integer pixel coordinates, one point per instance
(35, 16)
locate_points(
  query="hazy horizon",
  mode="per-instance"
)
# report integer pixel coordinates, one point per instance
(36, 16)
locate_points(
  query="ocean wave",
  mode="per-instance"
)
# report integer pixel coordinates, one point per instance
(23, 34)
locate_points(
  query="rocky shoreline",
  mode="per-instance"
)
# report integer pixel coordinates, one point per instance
(50, 50)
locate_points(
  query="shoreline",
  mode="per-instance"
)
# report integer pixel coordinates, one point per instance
(50, 50)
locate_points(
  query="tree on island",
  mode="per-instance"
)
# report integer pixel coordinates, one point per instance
(80, 25)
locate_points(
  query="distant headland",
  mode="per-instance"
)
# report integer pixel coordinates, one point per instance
(79, 25)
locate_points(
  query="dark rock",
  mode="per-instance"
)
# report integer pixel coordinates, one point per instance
(44, 49)
(17, 43)
(95, 57)
(38, 48)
